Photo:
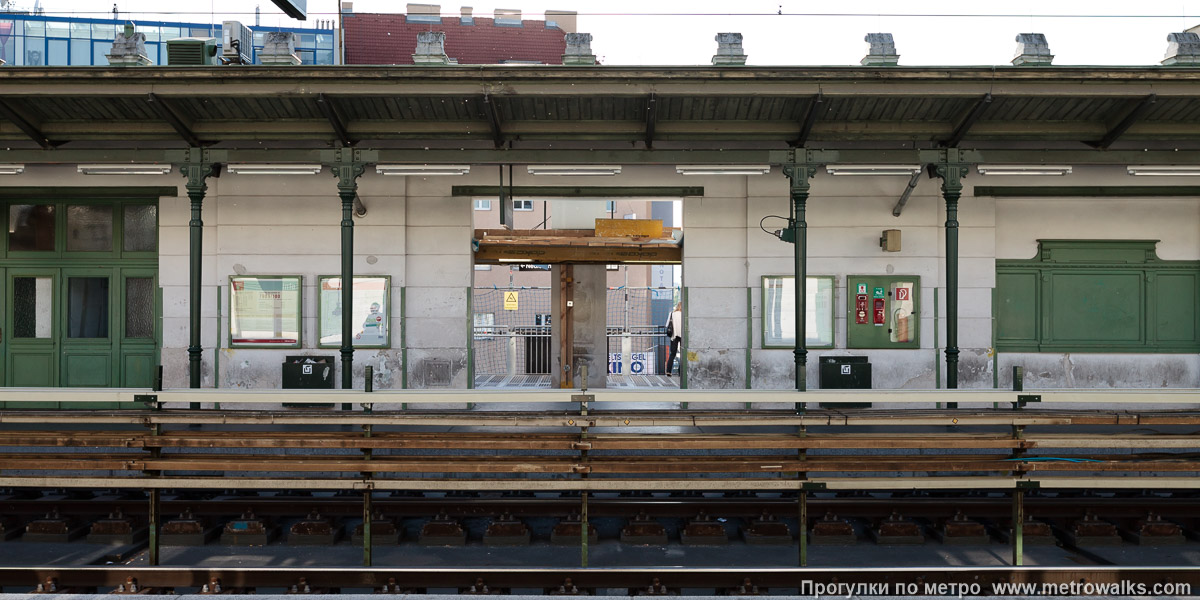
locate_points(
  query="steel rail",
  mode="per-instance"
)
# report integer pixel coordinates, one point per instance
(676, 578)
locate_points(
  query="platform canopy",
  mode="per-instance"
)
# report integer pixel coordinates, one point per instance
(498, 106)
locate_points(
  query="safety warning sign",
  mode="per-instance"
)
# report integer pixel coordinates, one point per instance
(510, 301)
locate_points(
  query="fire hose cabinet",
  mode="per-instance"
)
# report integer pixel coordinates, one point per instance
(883, 311)
(844, 373)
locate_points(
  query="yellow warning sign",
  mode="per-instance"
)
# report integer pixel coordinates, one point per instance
(510, 301)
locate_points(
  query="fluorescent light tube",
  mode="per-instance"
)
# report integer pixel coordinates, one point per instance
(1024, 169)
(515, 260)
(722, 169)
(907, 170)
(125, 169)
(273, 169)
(1165, 170)
(425, 170)
(574, 169)
(12, 169)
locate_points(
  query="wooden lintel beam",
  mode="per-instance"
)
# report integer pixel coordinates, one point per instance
(330, 110)
(810, 118)
(164, 111)
(493, 116)
(651, 119)
(964, 125)
(489, 254)
(1139, 110)
(25, 126)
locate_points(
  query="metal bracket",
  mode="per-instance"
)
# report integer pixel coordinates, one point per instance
(1023, 399)
(813, 485)
(146, 398)
(583, 397)
(1029, 485)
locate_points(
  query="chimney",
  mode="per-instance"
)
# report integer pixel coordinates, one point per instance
(279, 49)
(1183, 49)
(468, 16)
(566, 20)
(1032, 51)
(129, 49)
(424, 12)
(579, 50)
(729, 50)
(431, 48)
(506, 16)
(882, 52)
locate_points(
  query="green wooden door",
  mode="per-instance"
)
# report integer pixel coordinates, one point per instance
(137, 349)
(87, 327)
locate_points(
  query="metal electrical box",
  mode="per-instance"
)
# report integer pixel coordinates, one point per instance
(308, 373)
(883, 311)
(844, 373)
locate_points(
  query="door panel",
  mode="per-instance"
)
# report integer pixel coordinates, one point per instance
(87, 318)
(32, 323)
(138, 325)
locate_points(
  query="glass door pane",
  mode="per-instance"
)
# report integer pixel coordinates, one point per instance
(87, 307)
(33, 307)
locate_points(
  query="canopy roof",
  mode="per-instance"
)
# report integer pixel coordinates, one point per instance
(491, 106)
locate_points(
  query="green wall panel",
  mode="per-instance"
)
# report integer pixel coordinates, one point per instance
(1017, 306)
(1096, 306)
(1176, 307)
(1097, 296)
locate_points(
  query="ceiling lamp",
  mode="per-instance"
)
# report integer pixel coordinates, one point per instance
(723, 169)
(12, 169)
(574, 169)
(1024, 169)
(1165, 170)
(274, 169)
(125, 169)
(906, 170)
(424, 170)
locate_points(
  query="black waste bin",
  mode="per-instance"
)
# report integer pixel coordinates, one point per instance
(308, 373)
(845, 373)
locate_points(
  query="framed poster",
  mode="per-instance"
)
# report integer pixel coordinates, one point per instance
(370, 314)
(779, 311)
(264, 311)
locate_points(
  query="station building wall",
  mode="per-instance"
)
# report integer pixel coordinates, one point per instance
(419, 234)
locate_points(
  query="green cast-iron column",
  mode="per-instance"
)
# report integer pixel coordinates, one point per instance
(347, 171)
(951, 174)
(799, 174)
(196, 170)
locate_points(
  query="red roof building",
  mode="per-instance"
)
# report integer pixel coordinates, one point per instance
(391, 39)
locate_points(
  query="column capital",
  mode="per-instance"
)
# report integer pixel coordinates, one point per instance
(347, 174)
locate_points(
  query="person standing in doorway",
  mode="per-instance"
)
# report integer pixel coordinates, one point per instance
(674, 334)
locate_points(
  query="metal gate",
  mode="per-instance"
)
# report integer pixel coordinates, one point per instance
(511, 337)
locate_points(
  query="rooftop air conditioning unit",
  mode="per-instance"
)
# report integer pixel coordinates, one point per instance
(237, 43)
(192, 51)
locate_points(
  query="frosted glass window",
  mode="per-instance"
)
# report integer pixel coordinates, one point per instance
(37, 28)
(779, 312)
(58, 29)
(32, 307)
(139, 307)
(81, 30)
(81, 52)
(100, 52)
(31, 227)
(104, 31)
(87, 307)
(35, 51)
(89, 228)
(141, 228)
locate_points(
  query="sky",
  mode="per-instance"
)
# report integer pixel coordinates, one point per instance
(781, 32)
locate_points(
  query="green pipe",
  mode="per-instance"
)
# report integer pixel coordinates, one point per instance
(347, 194)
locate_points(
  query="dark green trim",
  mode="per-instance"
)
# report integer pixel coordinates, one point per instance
(1078, 191)
(580, 191)
(683, 344)
(73, 192)
(749, 334)
(404, 343)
